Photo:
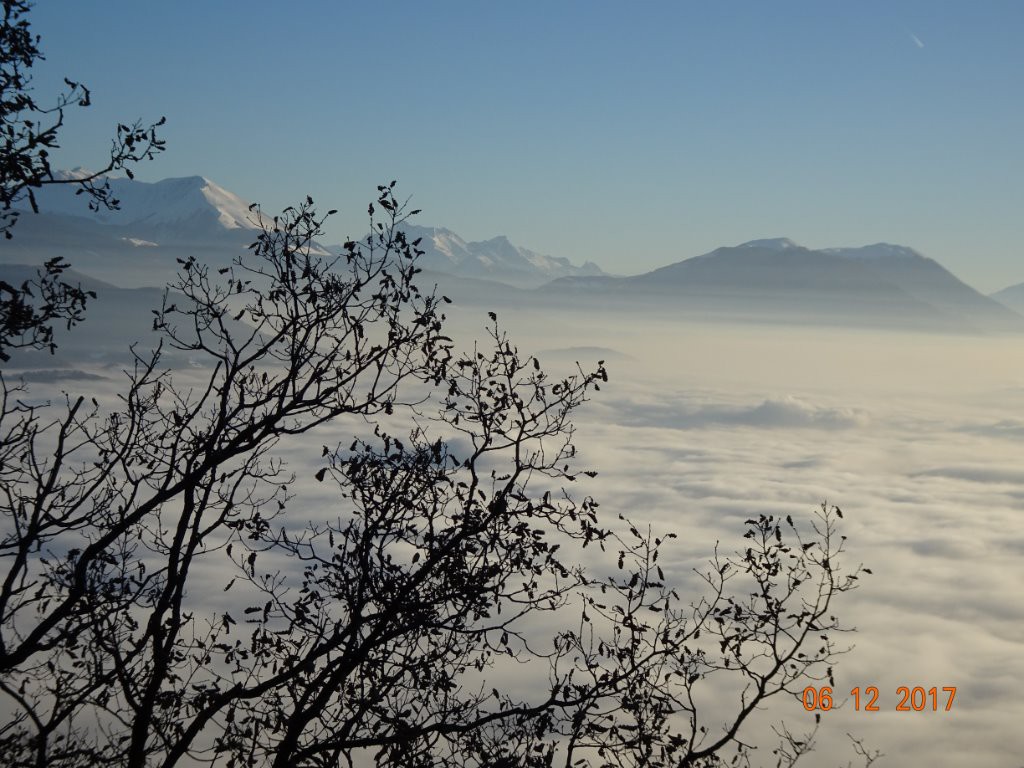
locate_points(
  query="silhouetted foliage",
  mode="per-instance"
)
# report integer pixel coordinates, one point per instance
(28, 131)
(24, 322)
(397, 631)
(165, 599)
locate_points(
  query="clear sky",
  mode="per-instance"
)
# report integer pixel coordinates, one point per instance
(632, 134)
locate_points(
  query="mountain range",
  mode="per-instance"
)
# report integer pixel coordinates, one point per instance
(879, 284)
(176, 209)
(762, 280)
(494, 259)
(173, 218)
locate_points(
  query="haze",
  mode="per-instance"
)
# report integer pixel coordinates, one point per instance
(636, 137)
(916, 436)
(589, 130)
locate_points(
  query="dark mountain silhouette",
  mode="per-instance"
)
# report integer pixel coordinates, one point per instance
(777, 279)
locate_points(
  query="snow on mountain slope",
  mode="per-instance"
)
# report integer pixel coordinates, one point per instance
(167, 204)
(876, 251)
(771, 244)
(494, 259)
(233, 211)
(193, 210)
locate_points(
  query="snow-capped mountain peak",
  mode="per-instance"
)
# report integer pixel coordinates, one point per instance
(179, 204)
(877, 251)
(232, 211)
(771, 244)
(445, 242)
(497, 258)
(78, 172)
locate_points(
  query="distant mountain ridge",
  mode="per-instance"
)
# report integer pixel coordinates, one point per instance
(115, 319)
(170, 206)
(881, 284)
(494, 259)
(155, 221)
(772, 278)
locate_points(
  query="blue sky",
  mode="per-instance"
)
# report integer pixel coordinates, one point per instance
(631, 134)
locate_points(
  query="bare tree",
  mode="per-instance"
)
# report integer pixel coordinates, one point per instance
(29, 130)
(166, 600)
(132, 498)
(26, 320)
(388, 634)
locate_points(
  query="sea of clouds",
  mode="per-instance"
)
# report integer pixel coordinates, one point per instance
(918, 438)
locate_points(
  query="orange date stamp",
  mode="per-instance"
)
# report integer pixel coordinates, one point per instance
(909, 699)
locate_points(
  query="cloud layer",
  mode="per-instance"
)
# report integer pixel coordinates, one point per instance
(917, 438)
